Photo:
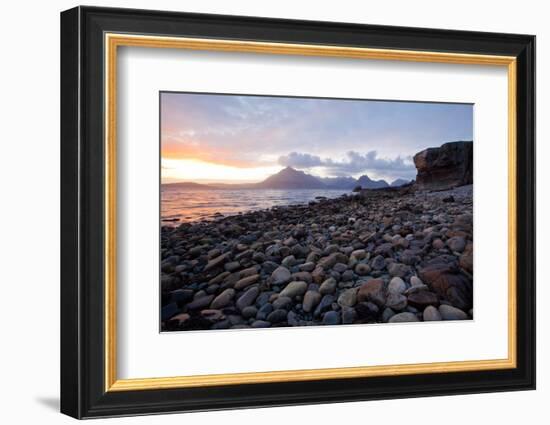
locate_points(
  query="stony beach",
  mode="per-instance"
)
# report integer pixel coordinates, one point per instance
(376, 256)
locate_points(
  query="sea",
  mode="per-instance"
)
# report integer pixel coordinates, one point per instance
(183, 205)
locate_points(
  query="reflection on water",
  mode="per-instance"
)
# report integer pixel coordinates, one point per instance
(184, 205)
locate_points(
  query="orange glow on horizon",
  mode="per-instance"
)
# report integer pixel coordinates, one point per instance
(195, 170)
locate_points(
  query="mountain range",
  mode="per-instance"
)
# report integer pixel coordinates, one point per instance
(290, 178)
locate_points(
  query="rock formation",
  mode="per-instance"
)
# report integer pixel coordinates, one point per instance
(445, 167)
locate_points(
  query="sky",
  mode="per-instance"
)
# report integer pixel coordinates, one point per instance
(211, 138)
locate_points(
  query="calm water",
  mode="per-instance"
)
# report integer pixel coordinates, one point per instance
(193, 205)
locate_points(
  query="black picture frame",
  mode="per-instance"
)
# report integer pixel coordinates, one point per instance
(83, 392)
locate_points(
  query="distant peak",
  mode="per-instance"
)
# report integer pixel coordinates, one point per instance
(290, 170)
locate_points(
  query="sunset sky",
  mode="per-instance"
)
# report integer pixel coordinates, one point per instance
(209, 138)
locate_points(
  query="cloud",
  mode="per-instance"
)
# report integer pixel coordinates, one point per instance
(354, 163)
(300, 160)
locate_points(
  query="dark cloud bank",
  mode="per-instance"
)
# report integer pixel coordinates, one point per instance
(355, 163)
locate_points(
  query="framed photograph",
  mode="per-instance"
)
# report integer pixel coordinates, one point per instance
(261, 212)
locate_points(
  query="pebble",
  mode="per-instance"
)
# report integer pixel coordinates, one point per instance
(378, 263)
(397, 285)
(261, 324)
(349, 315)
(396, 301)
(452, 313)
(340, 267)
(223, 299)
(200, 303)
(456, 243)
(280, 276)
(399, 270)
(264, 311)
(324, 305)
(415, 281)
(387, 314)
(422, 299)
(249, 312)
(232, 266)
(403, 317)
(282, 302)
(246, 281)
(431, 314)
(248, 298)
(216, 262)
(294, 289)
(374, 291)
(348, 298)
(331, 318)
(307, 267)
(277, 316)
(362, 269)
(310, 301)
(328, 286)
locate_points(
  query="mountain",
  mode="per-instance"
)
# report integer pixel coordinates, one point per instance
(289, 178)
(399, 182)
(185, 185)
(339, 182)
(366, 183)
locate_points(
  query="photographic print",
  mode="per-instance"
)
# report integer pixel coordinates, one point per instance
(293, 211)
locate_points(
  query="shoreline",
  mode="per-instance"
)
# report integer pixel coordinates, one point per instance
(372, 257)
